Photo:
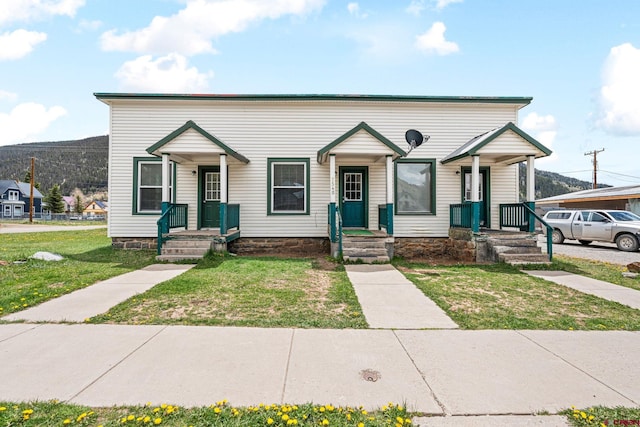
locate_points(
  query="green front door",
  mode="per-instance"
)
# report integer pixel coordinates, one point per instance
(483, 194)
(210, 197)
(353, 191)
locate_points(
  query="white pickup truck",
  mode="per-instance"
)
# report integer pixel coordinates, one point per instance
(586, 226)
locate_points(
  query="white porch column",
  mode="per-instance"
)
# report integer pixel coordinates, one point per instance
(166, 178)
(531, 179)
(475, 178)
(389, 171)
(332, 178)
(223, 179)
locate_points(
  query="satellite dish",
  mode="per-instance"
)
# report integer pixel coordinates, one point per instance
(414, 139)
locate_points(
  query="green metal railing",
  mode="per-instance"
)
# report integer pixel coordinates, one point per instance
(385, 218)
(334, 220)
(460, 215)
(175, 216)
(229, 217)
(520, 215)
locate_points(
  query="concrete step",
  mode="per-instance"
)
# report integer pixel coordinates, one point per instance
(367, 244)
(184, 243)
(524, 241)
(173, 258)
(367, 259)
(516, 249)
(185, 251)
(515, 259)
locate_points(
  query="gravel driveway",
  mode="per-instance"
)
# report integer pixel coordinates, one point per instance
(597, 251)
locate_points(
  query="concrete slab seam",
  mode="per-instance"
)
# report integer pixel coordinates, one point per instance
(576, 367)
(116, 364)
(286, 369)
(445, 412)
(20, 333)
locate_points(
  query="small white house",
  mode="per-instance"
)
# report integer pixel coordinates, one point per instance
(291, 169)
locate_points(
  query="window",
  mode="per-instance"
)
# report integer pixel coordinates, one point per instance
(415, 186)
(7, 210)
(288, 186)
(212, 186)
(148, 185)
(14, 195)
(467, 187)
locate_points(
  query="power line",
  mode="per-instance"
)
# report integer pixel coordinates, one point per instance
(594, 153)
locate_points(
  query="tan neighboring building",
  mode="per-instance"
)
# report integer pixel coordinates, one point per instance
(623, 198)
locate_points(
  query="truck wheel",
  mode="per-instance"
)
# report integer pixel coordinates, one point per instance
(557, 237)
(585, 242)
(627, 243)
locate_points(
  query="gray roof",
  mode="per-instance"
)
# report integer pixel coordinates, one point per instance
(6, 184)
(25, 187)
(610, 193)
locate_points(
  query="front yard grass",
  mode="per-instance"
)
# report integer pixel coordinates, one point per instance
(248, 291)
(499, 296)
(88, 258)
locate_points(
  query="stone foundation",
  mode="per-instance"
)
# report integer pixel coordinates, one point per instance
(134, 243)
(457, 248)
(290, 246)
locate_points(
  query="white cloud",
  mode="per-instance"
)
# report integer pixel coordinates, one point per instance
(19, 43)
(354, 9)
(441, 4)
(85, 25)
(8, 96)
(169, 74)
(27, 10)
(433, 41)
(191, 30)
(542, 128)
(620, 91)
(417, 6)
(26, 121)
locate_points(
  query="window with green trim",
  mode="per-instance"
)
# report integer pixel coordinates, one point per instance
(415, 186)
(148, 185)
(288, 182)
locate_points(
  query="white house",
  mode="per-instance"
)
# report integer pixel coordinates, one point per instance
(290, 169)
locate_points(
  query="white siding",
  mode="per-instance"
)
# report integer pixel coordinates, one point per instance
(298, 129)
(509, 143)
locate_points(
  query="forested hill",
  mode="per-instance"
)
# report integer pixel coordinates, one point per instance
(74, 164)
(83, 164)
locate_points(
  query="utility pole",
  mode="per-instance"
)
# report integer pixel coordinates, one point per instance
(31, 183)
(594, 153)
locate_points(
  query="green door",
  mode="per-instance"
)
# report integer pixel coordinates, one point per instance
(353, 191)
(210, 197)
(483, 196)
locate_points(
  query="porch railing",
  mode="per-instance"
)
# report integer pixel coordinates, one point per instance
(176, 216)
(385, 218)
(520, 215)
(460, 215)
(229, 218)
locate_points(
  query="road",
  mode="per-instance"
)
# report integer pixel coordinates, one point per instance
(597, 251)
(11, 228)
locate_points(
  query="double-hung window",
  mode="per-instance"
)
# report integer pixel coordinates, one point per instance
(415, 186)
(14, 195)
(288, 186)
(148, 185)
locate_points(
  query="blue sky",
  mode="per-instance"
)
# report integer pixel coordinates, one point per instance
(579, 60)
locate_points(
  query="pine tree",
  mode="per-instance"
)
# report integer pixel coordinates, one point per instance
(27, 179)
(54, 200)
(79, 205)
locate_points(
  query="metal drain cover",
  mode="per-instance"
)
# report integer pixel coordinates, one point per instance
(370, 375)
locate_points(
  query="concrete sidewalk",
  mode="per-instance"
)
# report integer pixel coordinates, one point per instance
(390, 300)
(438, 372)
(623, 295)
(99, 297)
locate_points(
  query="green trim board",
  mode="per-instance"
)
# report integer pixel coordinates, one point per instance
(192, 125)
(307, 164)
(136, 161)
(519, 100)
(323, 153)
(471, 147)
(432, 195)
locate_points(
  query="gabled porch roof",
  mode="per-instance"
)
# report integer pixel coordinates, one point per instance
(361, 141)
(504, 145)
(190, 143)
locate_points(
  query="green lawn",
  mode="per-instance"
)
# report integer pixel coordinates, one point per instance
(248, 291)
(500, 296)
(88, 258)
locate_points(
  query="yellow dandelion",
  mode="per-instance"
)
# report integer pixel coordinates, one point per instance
(583, 415)
(217, 410)
(360, 424)
(285, 417)
(400, 420)
(157, 421)
(270, 421)
(407, 421)
(146, 419)
(325, 422)
(2, 408)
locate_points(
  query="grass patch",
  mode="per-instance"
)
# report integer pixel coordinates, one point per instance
(248, 291)
(605, 271)
(499, 296)
(600, 415)
(88, 258)
(219, 414)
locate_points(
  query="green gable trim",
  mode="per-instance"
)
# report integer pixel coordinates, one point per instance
(473, 151)
(192, 125)
(323, 153)
(520, 100)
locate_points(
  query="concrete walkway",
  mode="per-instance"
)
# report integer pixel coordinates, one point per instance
(587, 285)
(100, 297)
(390, 300)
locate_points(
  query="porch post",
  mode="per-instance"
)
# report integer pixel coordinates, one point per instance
(389, 218)
(166, 180)
(475, 190)
(531, 192)
(332, 197)
(223, 194)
